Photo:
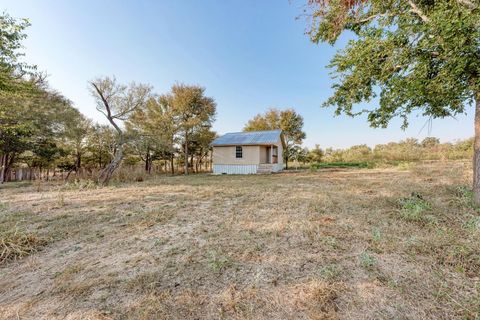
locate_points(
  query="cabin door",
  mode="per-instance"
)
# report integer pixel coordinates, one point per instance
(268, 154)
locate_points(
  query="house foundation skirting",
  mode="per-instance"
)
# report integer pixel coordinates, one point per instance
(247, 168)
(235, 168)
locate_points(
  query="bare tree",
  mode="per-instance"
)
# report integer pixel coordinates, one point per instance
(116, 102)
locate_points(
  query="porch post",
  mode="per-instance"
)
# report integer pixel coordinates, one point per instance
(271, 154)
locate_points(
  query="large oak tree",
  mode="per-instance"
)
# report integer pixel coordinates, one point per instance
(413, 55)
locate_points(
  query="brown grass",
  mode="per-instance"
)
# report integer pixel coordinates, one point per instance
(16, 244)
(333, 244)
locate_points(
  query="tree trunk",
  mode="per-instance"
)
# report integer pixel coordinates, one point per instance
(6, 162)
(186, 153)
(106, 173)
(3, 167)
(286, 158)
(476, 152)
(172, 164)
(78, 162)
(147, 160)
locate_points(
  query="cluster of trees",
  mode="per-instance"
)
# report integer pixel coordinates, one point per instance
(410, 149)
(41, 129)
(289, 121)
(157, 127)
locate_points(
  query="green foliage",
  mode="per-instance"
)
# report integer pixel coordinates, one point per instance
(322, 165)
(465, 196)
(413, 207)
(289, 121)
(218, 262)
(376, 235)
(411, 55)
(400, 153)
(473, 224)
(316, 154)
(12, 69)
(367, 261)
(330, 271)
(193, 114)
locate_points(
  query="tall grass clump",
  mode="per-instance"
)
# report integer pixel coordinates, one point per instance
(17, 244)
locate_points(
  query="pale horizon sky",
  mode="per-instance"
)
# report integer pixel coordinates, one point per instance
(249, 55)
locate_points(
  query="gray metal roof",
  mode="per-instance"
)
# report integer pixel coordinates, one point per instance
(248, 138)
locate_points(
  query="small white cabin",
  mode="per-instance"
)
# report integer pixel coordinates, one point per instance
(248, 152)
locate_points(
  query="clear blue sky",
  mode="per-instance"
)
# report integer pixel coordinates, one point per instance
(249, 54)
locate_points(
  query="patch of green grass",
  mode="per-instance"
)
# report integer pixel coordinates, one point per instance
(15, 184)
(218, 262)
(473, 224)
(3, 206)
(404, 166)
(324, 165)
(330, 271)
(464, 196)
(367, 261)
(376, 235)
(413, 208)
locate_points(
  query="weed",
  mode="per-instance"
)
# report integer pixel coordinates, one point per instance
(218, 262)
(464, 196)
(376, 235)
(330, 271)
(413, 208)
(367, 261)
(472, 224)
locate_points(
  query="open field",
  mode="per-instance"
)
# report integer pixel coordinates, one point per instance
(390, 243)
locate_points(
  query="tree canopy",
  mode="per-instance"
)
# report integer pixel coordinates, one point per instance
(289, 121)
(412, 55)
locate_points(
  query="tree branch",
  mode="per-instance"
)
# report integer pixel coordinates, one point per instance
(109, 112)
(417, 11)
(467, 3)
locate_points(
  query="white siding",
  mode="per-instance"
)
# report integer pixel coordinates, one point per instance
(235, 168)
(277, 167)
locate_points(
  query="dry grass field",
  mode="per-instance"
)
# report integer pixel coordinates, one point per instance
(391, 243)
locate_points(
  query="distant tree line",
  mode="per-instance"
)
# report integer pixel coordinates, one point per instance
(410, 149)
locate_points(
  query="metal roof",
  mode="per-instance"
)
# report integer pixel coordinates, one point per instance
(248, 138)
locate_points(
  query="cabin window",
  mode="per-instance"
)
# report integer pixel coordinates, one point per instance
(238, 152)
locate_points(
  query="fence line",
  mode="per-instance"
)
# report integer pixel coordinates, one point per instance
(124, 172)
